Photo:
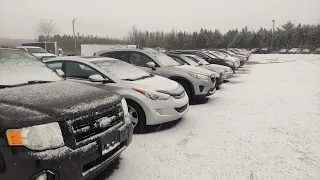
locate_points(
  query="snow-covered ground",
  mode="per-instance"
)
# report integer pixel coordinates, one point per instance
(263, 124)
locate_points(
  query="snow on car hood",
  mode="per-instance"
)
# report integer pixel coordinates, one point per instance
(194, 69)
(154, 83)
(44, 103)
(40, 55)
(213, 68)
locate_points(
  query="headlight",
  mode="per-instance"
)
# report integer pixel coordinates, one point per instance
(198, 76)
(40, 137)
(124, 107)
(153, 94)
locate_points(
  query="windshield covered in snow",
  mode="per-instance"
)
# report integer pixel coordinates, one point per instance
(162, 58)
(121, 69)
(18, 67)
(36, 50)
(189, 61)
(197, 59)
(217, 54)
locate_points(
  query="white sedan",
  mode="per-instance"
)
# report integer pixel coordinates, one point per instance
(151, 99)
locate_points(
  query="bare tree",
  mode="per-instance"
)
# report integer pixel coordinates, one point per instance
(47, 29)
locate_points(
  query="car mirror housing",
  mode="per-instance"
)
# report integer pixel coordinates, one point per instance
(60, 72)
(97, 78)
(151, 65)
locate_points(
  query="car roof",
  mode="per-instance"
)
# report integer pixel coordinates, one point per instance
(27, 47)
(123, 49)
(80, 59)
(9, 49)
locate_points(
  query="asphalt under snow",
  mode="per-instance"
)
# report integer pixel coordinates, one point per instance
(263, 124)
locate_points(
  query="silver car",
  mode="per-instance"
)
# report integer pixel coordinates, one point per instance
(197, 82)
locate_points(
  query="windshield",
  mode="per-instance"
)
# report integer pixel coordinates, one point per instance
(162, 58)
(189, 61)
(121, 69)
(18, 67)
(198, 59)
(217, 54)
(36, 50)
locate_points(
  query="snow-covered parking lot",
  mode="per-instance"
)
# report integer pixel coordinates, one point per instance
(263, 124)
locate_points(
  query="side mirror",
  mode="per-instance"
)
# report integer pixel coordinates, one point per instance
(60, 72)
(97, 78)
(151, 65)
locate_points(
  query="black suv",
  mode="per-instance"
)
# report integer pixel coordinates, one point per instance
(54, 129)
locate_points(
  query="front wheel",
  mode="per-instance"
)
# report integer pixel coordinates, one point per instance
(188, 90)
(137, 116)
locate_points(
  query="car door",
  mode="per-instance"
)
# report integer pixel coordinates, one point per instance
(140, 60)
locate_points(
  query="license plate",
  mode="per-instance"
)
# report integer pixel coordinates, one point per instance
(109, 142)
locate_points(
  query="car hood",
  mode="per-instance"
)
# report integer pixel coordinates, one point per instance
(39, 55)
(44, 103)
(193, 69)
(154, 83)
(213, 68)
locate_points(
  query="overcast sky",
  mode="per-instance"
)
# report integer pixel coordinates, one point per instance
(19, 18)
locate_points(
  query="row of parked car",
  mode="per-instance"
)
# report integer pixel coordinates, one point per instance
(70, 117)
(285, 51)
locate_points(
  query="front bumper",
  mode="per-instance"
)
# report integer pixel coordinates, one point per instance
(229, 74)
(158, 112)
(65, 163)
(203, 87)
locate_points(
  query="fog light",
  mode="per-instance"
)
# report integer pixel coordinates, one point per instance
(159, 111)
(201, 88)
(42, 176)
(45, 175)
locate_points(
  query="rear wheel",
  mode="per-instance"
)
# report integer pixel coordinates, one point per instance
(137, 116)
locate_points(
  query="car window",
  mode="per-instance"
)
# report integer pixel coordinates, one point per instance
(124, 56)
(193, 59)
(55, 65)
(139, 59)
(178, 60)
(79, 71)
(107, 54)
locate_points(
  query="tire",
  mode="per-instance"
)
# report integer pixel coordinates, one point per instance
(187, 88)
(136, 111)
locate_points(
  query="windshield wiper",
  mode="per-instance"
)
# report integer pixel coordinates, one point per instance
(139, 78)
(23, 84)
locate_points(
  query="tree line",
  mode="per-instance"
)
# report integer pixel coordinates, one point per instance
(288, 35)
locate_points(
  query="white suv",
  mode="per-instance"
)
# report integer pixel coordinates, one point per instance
(151, 99)
(197, 82)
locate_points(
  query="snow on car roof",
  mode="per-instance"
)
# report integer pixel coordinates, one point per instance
(28, 47)
(80, 58)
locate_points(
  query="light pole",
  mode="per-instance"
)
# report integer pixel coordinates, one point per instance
(74, 36)
(273, 21)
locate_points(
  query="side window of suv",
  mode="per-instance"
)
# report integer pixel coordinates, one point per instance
(124, 56)
(139, 59)
(79, 71)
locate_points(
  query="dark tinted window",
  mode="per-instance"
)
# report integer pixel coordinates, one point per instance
(79, 71)
(124, 56)
(55, 65)
(178, 60)
(139, 59)
(121, 55)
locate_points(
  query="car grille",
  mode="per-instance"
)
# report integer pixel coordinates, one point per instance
(86, 127)
(181, 109)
